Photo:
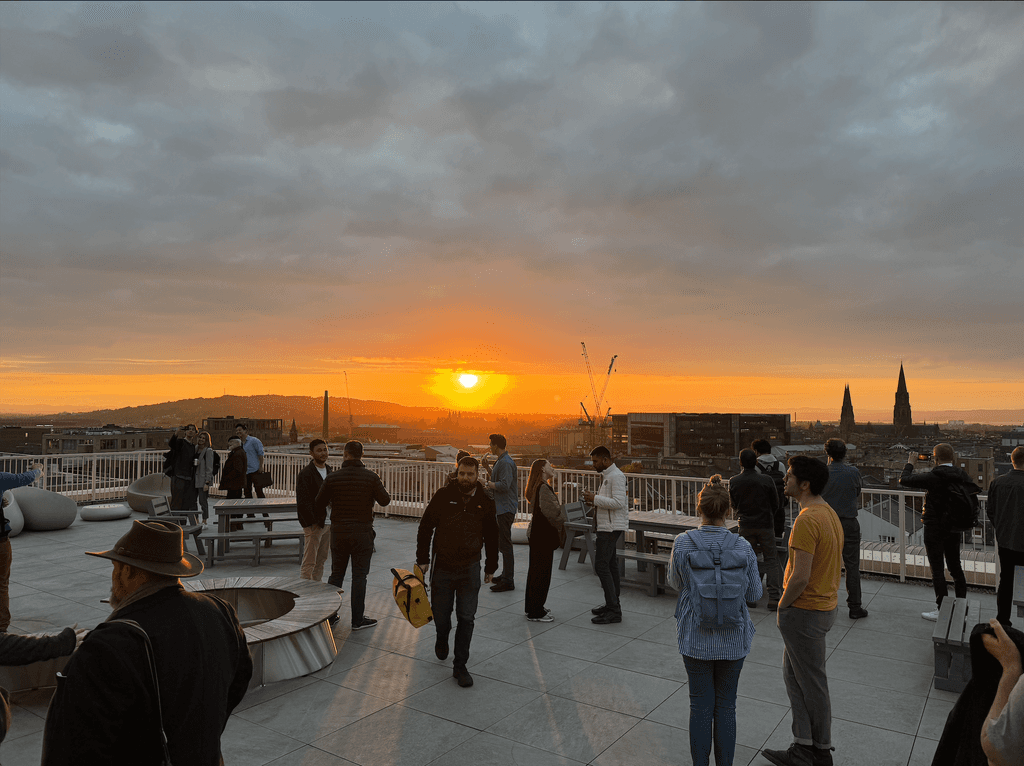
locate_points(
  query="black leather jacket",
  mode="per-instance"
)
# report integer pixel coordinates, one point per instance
(936, 485)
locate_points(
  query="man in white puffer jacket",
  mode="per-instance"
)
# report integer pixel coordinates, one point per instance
(612, 511)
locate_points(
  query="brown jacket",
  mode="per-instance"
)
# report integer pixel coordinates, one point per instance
(552, 513)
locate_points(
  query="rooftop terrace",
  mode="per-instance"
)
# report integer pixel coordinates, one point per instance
(546, 694)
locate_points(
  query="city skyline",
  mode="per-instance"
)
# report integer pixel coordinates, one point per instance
(751, 205)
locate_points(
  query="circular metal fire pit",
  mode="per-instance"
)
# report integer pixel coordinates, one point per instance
(285, 619)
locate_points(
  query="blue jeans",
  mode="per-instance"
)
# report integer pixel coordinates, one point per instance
(461, 589)
(713, 685)
(606, 562)
(355, 542)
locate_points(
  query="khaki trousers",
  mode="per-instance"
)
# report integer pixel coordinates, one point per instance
(314, 554)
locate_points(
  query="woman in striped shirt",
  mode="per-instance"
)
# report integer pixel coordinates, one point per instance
(713, 654)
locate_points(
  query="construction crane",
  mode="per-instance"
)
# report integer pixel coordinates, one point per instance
(595, 425)
(351, 422)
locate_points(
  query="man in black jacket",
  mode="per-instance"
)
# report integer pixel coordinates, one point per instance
(104, 709)
(318, 535)
(940, 541)
(351, 492)
(756, 502)
(182, 459)
(1006, 510)
(460, 518)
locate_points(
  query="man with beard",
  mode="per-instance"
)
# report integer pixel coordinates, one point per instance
(106, 709)
(461, 521)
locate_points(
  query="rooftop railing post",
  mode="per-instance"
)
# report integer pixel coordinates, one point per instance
(903, 537)
(93, 474)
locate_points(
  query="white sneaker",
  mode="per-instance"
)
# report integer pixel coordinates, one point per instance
(931, 616)
(545, 618)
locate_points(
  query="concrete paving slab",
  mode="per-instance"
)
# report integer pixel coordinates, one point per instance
(487, 749)
(396, 736)
(565, 727)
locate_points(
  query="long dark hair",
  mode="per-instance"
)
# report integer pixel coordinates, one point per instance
(536, 478)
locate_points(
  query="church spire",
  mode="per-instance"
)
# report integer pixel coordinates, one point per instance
(901, 417)
(846, 419)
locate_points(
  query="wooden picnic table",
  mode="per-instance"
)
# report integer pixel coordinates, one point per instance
(643, 522)
(233, 510)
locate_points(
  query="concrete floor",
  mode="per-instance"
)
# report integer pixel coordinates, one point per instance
(566, 692)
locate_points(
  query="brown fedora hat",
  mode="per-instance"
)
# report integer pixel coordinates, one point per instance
(155, 546)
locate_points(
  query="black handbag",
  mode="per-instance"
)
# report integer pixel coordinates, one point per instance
(262, 479)
(151, 660)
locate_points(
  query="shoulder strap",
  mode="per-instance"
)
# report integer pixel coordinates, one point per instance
(151, 663)
(697, 540)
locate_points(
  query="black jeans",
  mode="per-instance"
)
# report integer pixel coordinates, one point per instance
(606, 562)
(1008, 559)
(249, 487)
(460, 588)
(941, 543)
(355, 541)
(763, 542)
(508, 559)
(183, 494)
(538, 578)
(851, 560)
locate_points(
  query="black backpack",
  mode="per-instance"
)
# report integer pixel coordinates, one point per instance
(964, 508)
(216, 462)
(777, 475)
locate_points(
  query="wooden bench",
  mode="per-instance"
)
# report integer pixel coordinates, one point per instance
(255, 537)
(656, 567)
(952, 642)
(1018, 590)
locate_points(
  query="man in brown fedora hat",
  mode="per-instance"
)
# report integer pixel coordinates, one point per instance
(104, 710)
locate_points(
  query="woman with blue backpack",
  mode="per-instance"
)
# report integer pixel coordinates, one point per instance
(715, 572)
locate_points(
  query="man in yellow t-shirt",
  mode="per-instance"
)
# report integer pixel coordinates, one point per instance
(807, 612)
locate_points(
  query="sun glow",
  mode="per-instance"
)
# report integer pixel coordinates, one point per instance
(467, 380)
(467, 390)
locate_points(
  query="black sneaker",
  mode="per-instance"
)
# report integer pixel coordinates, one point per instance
(857, 612)
(441, 648)
(751, 605)
(599, 609)
(366, 623)
(607, 618)
(799, 755)
(502, 587)
(462, 676)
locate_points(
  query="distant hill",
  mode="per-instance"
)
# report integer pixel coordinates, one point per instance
(307, 412)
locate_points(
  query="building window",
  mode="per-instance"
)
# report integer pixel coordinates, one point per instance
(886, 539)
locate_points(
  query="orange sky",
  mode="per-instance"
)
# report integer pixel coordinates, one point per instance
(810, 398)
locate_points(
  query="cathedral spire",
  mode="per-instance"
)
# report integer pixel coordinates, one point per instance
(846, 419)
(901, 417)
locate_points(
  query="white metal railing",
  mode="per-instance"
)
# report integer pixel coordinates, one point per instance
(890, 519)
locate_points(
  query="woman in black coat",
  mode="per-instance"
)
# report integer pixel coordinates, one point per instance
(545, 533)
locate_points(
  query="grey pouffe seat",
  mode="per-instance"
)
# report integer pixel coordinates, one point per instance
(147, 488)
(519, 532)
(45, 511)
(14, 515)
(105, 512)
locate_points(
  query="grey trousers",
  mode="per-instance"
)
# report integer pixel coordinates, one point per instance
(803, 668)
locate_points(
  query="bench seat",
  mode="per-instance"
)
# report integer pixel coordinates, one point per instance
(656, 569)
(255, 537)
(952, 643)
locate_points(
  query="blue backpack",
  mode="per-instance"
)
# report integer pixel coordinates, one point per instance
(718, 578)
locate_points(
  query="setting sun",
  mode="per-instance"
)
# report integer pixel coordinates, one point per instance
(467, 380)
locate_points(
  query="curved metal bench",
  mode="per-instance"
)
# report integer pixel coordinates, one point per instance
(286, 621)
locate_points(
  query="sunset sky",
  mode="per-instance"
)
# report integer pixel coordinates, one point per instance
(752, 205)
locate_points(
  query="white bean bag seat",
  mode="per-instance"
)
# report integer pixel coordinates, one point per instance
(45, 511)
(147, 488)
(106, 512)
(519, 532)
(14, 515)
